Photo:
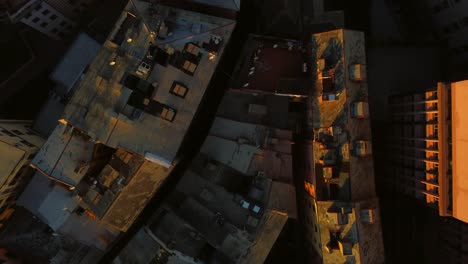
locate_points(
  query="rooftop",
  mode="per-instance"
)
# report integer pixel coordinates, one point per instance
(271, 65)
(263, 109)
(66, 155)
(152, 90)
(119, 197)
(56, 205)
(343, 171)
(115, 185)
(249, 159)
(230, 212)
(347, 235)
(357, 176)
(74, 62)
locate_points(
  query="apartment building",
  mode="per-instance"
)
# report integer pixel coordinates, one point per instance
(428, 147)
(340, 204)
(18, 145)
(55, 18)
(236, 197)
(122, 129)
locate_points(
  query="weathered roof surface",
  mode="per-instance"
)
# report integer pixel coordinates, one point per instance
(354, 181)
(248, 148)
(348, 232)
(269, 230)
(132, 199)
(282, 198)
(255, 134)
(141, 249)
(35, 193)
(372, 249)
(58, 206)
(9, 158)
(238, 156)
(79, 55)
(235, 106)
(99, 104)
(64, 155)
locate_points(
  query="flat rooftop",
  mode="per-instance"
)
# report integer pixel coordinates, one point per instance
(340, 49)
(263, 109)
(248, 159)
(209, 190)
(341, 175)
(54, 204)
(65, 155)
(271, 65)
(140, 111)
(115, 185)
(357, 235)
(122, 203)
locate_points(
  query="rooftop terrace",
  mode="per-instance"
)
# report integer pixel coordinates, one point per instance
(146, 83)
(274, 66)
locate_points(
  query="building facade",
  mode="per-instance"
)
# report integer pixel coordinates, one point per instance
(18, 145)
(428, 147)
(54, 18)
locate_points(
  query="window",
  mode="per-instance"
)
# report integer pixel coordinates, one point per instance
(179, 89)
(55, 30)
(17, 132)
(63, 23)
(189, 66)
(28, 15)
(53, 17)
(35, 20)
(44, 24)
(45, 12)
(38, 7)
(193, 49)
(168, 114)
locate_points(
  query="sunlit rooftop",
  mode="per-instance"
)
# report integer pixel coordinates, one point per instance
(145, 85)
